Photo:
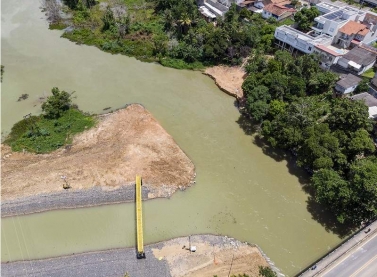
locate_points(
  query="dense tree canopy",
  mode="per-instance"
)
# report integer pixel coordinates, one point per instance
(305, 18)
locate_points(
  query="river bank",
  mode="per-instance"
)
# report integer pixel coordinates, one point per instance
(215, 255)
(100, 166)
(228, 79)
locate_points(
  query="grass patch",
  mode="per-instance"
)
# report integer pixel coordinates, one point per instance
(288, 21)
(42, 135)
(369, 73)
(57, 26)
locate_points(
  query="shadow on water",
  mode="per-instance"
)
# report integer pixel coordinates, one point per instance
(319, 212)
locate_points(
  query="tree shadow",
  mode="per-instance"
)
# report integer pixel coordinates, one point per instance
(319, 212)
(247, 125)
(325, 217)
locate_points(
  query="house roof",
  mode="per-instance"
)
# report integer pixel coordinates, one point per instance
(352, 27)
(328, 50)
(277, 9)
(360, 56)
(370, 101)
(370, 18)
(348, 81)
(217, 5)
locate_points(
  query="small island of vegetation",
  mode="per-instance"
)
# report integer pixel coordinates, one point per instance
(52, 129)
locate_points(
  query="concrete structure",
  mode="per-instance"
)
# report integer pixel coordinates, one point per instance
(329, 55)
(292, 39)
(355, 244)
(277, 11)
(358, 60)
(325, 7)
(207, 14)
(370, 101)
(215, 7)
(347, 83)
(331, 22)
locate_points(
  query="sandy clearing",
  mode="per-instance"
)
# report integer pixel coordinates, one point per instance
(213, 256)
(228, 79)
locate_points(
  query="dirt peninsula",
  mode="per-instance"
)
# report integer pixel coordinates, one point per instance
(104, 158)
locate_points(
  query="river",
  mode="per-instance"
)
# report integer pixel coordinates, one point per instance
(240, 191)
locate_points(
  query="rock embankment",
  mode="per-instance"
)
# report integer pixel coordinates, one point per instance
(100, 166)
(215, 255)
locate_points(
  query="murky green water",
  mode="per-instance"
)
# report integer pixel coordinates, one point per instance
(240, 191)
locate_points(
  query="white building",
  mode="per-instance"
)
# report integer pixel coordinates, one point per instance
(292, 39)
(330, 23)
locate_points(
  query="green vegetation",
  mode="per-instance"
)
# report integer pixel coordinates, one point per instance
(305, 18)
(369, 73)
(171, 32)
(292, 99)
(265, 271)
(51, 130)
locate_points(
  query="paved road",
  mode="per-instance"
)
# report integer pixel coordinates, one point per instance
(361, 262)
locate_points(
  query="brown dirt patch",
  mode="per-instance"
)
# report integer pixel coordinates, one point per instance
(211, 257)
(229, 79)
(123, 144)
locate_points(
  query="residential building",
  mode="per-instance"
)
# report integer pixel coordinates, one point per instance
(292, 39)
(351, 34)
(358, 60)
(260, 4)
(329, 54)
(325, 7)
(347, 83)
(207, 14)
(331, 22)
(215, 7)
(370, 101)
(277, 11)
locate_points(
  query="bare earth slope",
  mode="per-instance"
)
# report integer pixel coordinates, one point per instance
(124, 143)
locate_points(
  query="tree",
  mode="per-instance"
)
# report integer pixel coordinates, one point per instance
(57, 104)
(363, 86)
(321, 82)
(360, 144)
(333, 191)
(320, 148)
(257, 104)
(349, 116)
(305, 18)
(363, 180)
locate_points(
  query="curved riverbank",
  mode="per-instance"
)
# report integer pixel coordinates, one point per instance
(100, 166)
(214, 256)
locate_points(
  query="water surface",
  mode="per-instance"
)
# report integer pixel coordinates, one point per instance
(240, 191)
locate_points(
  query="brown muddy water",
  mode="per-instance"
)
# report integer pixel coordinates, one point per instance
(240, 190)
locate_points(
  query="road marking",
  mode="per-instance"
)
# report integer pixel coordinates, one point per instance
(364, 266)
(331, 267)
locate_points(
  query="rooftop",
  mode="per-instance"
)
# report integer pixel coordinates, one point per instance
(331, 50)
(360, 56)
(321, 39)
(369, 100)
(327, 6)
(216, 5)
(277, 9)
(352, 27)
(349, 81)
